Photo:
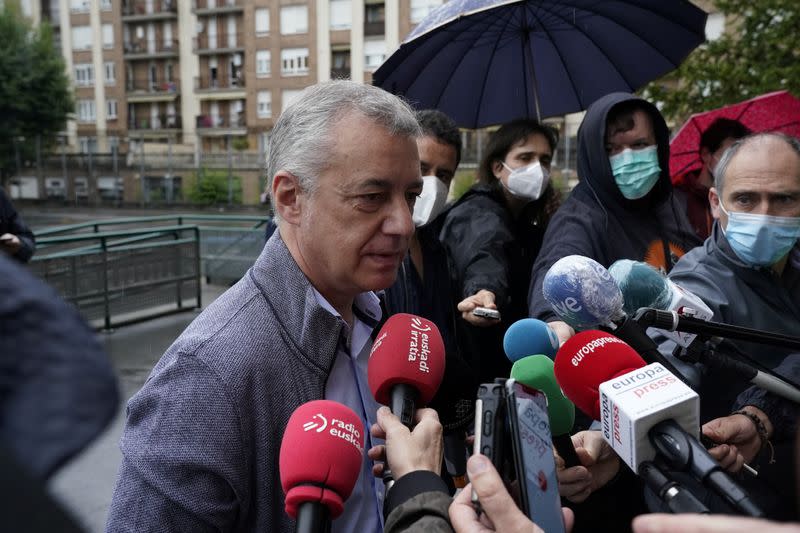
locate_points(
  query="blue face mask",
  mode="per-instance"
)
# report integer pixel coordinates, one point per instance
(760, 240)
(636, 171)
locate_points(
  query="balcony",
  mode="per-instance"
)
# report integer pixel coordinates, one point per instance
(139, 10)
(215, 7)
(340, 73)
(145, 90)
(158, 126)
(218, 126)
(150, 49)
(221, 43)
(220, 88)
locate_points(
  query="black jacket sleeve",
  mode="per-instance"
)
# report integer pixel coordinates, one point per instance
(418, 501)
(783, 414)
(11, 222)
(476, 234)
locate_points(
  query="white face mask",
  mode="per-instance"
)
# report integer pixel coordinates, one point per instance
(431, 201)
(528, 182)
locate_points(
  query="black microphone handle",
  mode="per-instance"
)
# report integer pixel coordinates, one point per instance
(565, 448)
(403, 403)
(312, 517)
(677, 498)
(681, 451)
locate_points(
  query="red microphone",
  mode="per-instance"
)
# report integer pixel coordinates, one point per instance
(586, 360)
(317, 483)
(406, 364)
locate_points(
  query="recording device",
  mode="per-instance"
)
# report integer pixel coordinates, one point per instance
(485, 312)
(317, 484)
(490, 427)
(644, 410)
(536, 371)
(533, 456)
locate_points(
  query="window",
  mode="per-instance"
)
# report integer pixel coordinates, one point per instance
(288, 96)
(264, 104)
(108, 36)
(421, 8)
(263, 58)
(294, 19)
(81, 37)
(341, 14)
(374, 13)
(86, 112)
(294, 61)
(84, 75)
(105, 5)
(111, 109)
(79, 6)
(111, 73)
(262, 21)
(374, 53)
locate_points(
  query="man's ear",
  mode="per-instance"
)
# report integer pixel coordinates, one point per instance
(706, 157)
(713, 201)
(497, 169)
(286, 196)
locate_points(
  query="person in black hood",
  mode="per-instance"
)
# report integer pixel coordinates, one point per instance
(492, 235)
(623, 206)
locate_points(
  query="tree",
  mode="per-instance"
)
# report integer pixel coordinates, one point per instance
(35, 94)
(758, 53)
(210, 187)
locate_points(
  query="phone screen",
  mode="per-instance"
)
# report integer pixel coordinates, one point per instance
(533, 456)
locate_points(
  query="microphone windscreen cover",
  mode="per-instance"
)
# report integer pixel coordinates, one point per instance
(408, 349)
(529, 336)
(536, 372)
(588, 359)
(321, 454)
(582, 292)
(641, 285)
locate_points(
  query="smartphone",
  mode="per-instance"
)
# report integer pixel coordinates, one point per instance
(532, 445)
(485, 312)
(490, 426)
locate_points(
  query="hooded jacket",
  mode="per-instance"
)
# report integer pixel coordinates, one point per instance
(597, 221)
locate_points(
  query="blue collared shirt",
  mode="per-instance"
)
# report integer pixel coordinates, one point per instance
(347, 384)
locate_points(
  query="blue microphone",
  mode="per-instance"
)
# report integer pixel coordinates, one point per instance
(529, 336)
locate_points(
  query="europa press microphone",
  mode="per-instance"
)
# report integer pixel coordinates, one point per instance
(320, 461)
(531, 345)
(644, 410)
(583, 293)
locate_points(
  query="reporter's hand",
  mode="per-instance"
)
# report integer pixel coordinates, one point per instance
(10, 243)
(482, 298)
(706, 523)
(562, 330)
(500, 511)
(738, 438)
(599, 466)
(407, 451)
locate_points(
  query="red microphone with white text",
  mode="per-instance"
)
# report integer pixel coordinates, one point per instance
(644, 410)
(320, 461)
(406, 364)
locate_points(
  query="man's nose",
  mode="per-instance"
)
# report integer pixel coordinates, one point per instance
(399, 221)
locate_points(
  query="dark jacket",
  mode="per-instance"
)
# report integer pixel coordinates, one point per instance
(11, 222)
(202, 438)
(491, 249)
(597, 221)
(432, 297)
(418, 501)
(58, 390)
(755, 298)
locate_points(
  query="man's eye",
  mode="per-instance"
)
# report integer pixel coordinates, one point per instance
(372, 197)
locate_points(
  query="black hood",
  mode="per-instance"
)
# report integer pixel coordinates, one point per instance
(594, 168)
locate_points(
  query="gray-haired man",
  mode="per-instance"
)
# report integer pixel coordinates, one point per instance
(202, 437)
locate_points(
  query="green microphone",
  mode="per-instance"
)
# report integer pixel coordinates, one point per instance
(536, 371)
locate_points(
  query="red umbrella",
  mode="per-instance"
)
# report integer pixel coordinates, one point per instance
(778, 111)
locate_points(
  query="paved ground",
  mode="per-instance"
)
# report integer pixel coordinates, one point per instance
(85, 484)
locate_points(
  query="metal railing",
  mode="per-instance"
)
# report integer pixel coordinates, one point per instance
(120, 277)
(142, 7)
(206, 82)
(229, 244)
(152, 86)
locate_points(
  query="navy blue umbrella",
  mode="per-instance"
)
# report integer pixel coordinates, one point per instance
(485, 62)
